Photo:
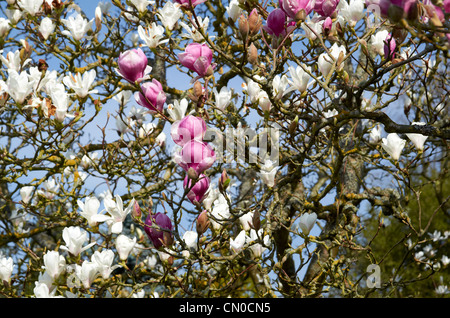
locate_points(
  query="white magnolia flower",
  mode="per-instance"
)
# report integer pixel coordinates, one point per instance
(89, 210)
(222, 98)
(19, 86)
(393, 145)
(268, 172)
(152, 35)
(150, 261)
(124, 245)
(161, 139)
(279, 86)
(75, 237)
(377, 41)
(190, 239)
(233, 10)
(89, 160)
(26, 193)
(54, 264)
(81, 84)
(123, 126)
(220, 212)
(139, 294)
(445, 260)
(264, 101)
(325, 61)
(238, 243)
(246, 220)
(87, 273)
(417, 139)
(253, 89)
(77, 26)
(117, 212)
(123, 97)
(50, 188)
(351, 11)
(300, 78)
(312, 27)
(146, 129)
(330, 113)
(41, 290)
(177, 110)
(36, 77)
(442, 290)
(164, 255)
(141, 5)
(60, 99)
(104, 260)
(44, 278)
(192, 32)
(170, 14)
(46, 27)
(13, 61)
(13, 15)
(375, 134)
(307, 221)
(138, 114)
(4, 26)
(30, 6)
(257, 249)
(6, 269)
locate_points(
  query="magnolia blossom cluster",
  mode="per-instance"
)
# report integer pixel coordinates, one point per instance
(33, 85)
(393, 144)
(133, 67)
(195, 156)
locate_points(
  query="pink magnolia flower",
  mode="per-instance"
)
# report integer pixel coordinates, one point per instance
(155, 235)
(198, 191)
(325, 7)
(276, 22)
(133, 65)
(389, 47)
(292, 7)
(327, 25)
(188, 128)
(196, 155)
(152, 96)
(197, 57)
(189, 3)
(447, 6)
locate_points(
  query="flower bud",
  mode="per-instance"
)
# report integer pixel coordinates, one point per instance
(327, 25)
(98, 19)
(136, 212)
(202, 222)
(300, 15)
(252, 54)
(224, 181)
(254, 22)
(192, 174)
(152, 96)
(389, 47)
(198, 189)
(156, 236)
(243, 26)
(197, 91)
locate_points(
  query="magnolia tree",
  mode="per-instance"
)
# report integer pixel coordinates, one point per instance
(224, 148)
